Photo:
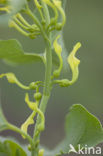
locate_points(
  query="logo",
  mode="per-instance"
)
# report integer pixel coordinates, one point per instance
(85, 150)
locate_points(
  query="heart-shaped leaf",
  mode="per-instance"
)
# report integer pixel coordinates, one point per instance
(82, 128)
(11, 51)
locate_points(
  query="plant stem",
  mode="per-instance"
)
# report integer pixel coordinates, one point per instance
(16, 129)
(47, 82)
(46, 92)
(29, 12)
(32, 153)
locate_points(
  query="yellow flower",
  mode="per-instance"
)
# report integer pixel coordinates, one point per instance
(30, 120)
(58, 4)
(10, 77)
(74, 62)
(58, 51)
(25, 125)
(31, 105)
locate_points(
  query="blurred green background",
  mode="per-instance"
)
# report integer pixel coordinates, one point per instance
(84, 24)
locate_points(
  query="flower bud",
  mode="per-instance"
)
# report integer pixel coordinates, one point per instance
(56, 73)
(41, 152)
(64, 83)
(32, 85)
(38, 96)
(58, 26)
(29, 147)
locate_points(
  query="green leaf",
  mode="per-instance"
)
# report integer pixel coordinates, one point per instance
(24, 147)
(81, 128)
(10, 148)
(16, 150)
(11, 51)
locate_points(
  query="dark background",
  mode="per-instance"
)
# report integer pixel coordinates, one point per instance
(84, 24)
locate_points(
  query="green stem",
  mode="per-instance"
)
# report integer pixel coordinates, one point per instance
(16, 129)
(13, 24)
(22, 86)
(20, 24)
(46, 93)
(29, 12)
(47, 83)
(32, 153)
(23, 20)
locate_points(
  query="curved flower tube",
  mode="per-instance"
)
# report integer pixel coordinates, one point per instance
(12, 79)
(30, 120)
(74, 64)
(58, 51)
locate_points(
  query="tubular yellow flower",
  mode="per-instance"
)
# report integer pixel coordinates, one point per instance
(25, 125)
(74, 62)
(31, 105)
(58, 4)
(39, 7)
(13, 24)
(7, 9)
(30, 120)
(57, 46)
(12, 79)
(49, 3)
(58, 50)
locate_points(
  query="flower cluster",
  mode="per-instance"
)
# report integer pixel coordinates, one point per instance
(33, 30)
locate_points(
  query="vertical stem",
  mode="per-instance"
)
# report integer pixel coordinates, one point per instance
(32, 153)
(46, 92)
(47, 87)
(47, 82)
